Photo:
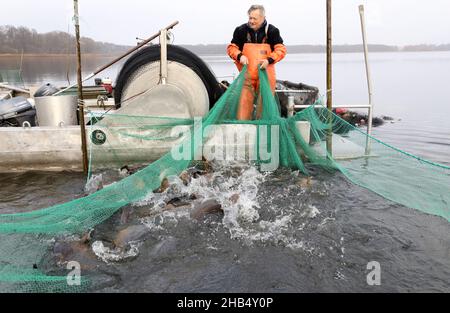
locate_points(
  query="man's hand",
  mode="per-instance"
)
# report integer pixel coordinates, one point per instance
(264, 64)
(243, 60)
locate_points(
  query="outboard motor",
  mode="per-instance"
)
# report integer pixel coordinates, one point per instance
(305, 95)
(46, 90)
(16, 111)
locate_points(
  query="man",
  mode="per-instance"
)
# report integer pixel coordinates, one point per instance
(255, 44)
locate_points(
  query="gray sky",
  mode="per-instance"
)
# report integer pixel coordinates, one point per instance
(394, 22)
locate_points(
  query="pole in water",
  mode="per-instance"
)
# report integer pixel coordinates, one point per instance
(369, 80)
(329, 79)
(80, 89)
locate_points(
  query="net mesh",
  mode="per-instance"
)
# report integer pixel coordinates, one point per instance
(314, 135)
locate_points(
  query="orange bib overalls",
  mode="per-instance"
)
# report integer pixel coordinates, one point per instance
(255, 53)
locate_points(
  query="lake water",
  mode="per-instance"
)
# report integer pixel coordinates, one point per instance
(407, 86)
(280, 237)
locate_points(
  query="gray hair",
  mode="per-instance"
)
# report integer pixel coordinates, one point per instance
(257, 7)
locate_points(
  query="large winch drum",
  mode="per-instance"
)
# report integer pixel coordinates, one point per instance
(190, 89)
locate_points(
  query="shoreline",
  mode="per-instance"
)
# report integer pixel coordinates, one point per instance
(105, 55)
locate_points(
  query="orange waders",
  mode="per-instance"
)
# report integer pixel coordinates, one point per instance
(255, 53)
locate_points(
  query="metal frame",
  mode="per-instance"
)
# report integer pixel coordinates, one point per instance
(348, 106)
(292, 107)
(291, 104)
(163, 61)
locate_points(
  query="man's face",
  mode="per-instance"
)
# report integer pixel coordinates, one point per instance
(255, 19)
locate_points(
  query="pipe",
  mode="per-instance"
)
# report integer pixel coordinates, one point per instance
(293, 91)
(163, 61)
(369, 80)
(13, 88)
(291, 106)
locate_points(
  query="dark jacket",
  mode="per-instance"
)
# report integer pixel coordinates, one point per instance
(244, 34)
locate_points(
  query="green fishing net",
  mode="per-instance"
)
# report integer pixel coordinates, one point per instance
(158, 147)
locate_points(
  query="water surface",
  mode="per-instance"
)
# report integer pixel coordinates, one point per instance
(280, 236)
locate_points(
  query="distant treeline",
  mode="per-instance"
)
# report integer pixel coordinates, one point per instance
(220, 49)
(17, 39)
(14, 40)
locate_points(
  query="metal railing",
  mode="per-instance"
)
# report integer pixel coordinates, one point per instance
(292, 107)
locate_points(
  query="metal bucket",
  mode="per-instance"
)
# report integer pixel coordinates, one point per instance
(56, 110)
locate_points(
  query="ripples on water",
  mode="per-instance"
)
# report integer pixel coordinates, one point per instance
(430, 141)
(282, 233)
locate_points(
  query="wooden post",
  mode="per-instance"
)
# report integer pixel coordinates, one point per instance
(329, 78)
(80, 89)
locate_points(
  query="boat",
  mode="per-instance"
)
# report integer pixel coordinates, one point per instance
(44, 131)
